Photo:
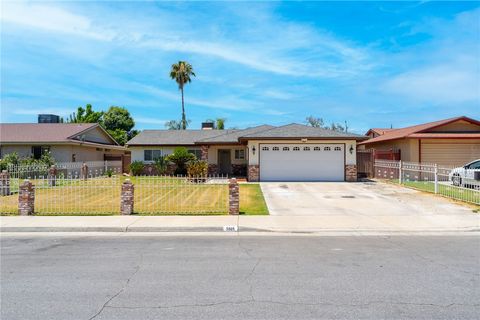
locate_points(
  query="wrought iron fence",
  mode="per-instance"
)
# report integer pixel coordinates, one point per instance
(101, 195)
(450, 181)
(181, 195)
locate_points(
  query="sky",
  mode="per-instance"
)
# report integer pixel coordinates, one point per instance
(372, 64)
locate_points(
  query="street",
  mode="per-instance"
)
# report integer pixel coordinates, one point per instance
(122, 276)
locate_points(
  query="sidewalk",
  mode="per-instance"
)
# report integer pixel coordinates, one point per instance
(285, 224)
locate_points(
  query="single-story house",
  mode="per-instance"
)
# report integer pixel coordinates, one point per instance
(453, 141)
(67, 142)
(292, 152)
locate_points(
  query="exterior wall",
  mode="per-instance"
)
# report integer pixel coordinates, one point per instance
(253, 160)
(97, 135)
(138, 152)
(457, 126)
(63, 153)
(408, 148)
(213, 153)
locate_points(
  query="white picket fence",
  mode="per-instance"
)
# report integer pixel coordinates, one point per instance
(430, 178)
(65, 169)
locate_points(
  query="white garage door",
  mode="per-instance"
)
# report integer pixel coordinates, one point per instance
(302, 162)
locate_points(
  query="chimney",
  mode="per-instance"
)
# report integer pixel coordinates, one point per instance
(207, 125)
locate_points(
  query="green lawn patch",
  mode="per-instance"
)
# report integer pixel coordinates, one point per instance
(252, 201)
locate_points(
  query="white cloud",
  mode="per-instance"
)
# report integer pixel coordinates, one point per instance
(53, 19)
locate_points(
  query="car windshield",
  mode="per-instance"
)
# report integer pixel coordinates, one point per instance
(473, 165)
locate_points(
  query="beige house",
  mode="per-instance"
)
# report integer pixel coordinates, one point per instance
(292, 152)
(454, 141)
(67, 142)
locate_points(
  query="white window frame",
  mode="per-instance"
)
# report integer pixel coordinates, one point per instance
(152, 155)
(239, 154)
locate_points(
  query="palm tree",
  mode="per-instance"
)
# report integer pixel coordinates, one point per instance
(181, 73)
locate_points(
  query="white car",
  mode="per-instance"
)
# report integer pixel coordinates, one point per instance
(468, 175)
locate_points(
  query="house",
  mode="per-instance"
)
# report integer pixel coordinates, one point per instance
(292, 152)
(67, 142)
(453, 141)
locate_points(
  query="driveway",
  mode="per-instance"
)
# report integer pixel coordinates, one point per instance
(365, 199)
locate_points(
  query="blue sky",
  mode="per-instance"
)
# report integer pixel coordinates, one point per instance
(373, 64)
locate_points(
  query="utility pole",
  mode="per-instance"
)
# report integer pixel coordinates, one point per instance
(346, 126)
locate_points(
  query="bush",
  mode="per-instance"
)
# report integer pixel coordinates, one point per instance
(161, 164)
(136, 168)
(9, 159)
(109, 173)
(180, 157)
(197, 168)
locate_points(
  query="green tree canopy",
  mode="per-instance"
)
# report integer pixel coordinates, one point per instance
(86, 115)
(182, 73)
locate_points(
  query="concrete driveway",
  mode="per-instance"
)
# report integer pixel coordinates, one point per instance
(362, 199)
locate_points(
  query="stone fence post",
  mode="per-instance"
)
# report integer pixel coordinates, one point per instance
(233, 197)
(52, 176)
(126, 197)
(4, 183)
(26, 198)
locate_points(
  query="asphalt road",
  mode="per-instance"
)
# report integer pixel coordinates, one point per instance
(268, 277)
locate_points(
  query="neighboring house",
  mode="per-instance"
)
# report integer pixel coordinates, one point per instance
(67, 142)
(292, 152)
(453, 141)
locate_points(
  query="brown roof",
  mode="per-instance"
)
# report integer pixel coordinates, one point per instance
(379, 131)
(410, 131)
(42, 132)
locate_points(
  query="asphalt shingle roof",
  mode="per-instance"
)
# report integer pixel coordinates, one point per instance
(234, 135)
(172, 137)
(42, 132)
(295, 130)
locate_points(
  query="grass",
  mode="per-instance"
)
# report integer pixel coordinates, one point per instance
(153, 196)
(457, 193)
(252, 201)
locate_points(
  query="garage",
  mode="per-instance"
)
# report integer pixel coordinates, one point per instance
(302, 162)
(454, 154)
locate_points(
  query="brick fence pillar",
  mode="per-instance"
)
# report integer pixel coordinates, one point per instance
(52, 176)
(126, 197)
(253, 173)
(233, 197)
(4, 183)
(351, 173)
(26, 198)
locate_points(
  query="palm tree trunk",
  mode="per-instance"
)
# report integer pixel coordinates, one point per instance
(184, 119)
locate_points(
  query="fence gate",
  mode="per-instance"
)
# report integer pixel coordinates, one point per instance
(365, 162)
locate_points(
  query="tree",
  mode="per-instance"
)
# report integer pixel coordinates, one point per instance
(319, 123)
(181, 72)
(175, 125)
(119, 124)
(218, 124)
(314, 122)
(181, 157)
(86, 115)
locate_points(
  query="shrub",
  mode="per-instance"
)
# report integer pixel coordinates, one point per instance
(197, 168)
(9, 159)
(136, 168)
(109, 173)
(161, 164)
(180, 157)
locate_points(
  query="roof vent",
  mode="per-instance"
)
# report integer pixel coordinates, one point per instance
(207, 125)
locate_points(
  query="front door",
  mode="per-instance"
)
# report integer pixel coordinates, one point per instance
(224, 161)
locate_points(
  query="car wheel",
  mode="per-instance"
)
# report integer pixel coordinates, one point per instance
(457, 181)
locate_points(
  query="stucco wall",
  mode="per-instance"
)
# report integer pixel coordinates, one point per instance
(63, 153)
(213, 153)
(138, 152)
(408, 148)
(350, 158)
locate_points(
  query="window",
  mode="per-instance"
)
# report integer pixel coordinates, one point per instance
(196, 152)
(338, 149)
(265, 149)
(239, 154)
(326, 149)
(37, 151)
(151, 155)
(296, 149)
(317, 149)
(286, 149)
(275, 148)
(306, 148)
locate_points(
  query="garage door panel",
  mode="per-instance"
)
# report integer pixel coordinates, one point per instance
(449, 153)
(305, 162)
